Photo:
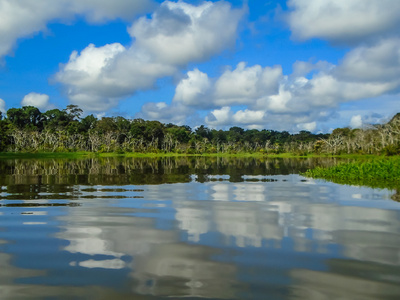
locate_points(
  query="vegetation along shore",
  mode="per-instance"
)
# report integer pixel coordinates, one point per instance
(27, 129)
(28, 133)
(376, 172)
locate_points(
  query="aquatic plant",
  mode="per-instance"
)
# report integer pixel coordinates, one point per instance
(379, 172)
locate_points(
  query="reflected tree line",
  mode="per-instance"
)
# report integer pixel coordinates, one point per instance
(55, 178)
(123, 171)
(28, 129)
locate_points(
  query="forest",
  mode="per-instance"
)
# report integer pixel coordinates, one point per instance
(27, 129)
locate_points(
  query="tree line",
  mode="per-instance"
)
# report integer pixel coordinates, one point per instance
(27, 129)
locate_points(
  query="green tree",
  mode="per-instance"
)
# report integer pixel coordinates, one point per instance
(73, 112)
(87, 123)
(55, 119)
(203, 132)
(27, 117)
(4, 130)
(106, 124)
(235, 134)
(179, 133)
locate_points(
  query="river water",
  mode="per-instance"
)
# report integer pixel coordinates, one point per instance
(125, 228)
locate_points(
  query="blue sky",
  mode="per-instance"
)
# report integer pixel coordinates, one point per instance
(283, 65)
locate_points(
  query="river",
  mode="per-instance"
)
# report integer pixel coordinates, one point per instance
(215, 228)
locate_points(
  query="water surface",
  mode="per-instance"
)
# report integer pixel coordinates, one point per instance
(197, 228)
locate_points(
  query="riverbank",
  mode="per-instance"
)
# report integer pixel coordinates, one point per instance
(42, 155)
(369, 170)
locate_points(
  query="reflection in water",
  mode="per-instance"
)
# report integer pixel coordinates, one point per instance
(121, 171)
(226, 229)
(352, 279)
(179, 269)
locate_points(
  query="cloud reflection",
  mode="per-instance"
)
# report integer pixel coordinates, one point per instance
(220, 236)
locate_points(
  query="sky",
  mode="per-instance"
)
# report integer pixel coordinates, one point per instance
(290, 65)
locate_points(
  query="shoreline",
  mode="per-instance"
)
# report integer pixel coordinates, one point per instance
(76, 155)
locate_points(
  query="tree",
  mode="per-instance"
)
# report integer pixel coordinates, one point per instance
(4, 129)
(87, 123)
(55, 119)
(73, 112)
(203, 132)
(235, 134)
(219, 136)
(153, 130)
(123, 125)
(179, 133)
(25, 117)
(16, 117)
(106, 124)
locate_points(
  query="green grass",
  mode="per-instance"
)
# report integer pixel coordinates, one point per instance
(27, 155)
(376, 172)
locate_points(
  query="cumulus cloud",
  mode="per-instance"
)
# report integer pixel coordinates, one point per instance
(160, 111)
(178, 32)
(377, 63)
(227, 117)
(295, 102)
(356, 121)
(98, 77)
(312, 126)
(23, 18)
(220, 117)
(343, 21)
(2, 106)
(240, 86)
(40, 101)
(194, 89)
(244, 84)
(175, 35)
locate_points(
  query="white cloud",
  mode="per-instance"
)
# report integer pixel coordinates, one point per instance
(98, 77)
(179, 33)
(342, 20)
(194, 89)
(245, 84)
(220, 117)
(91, 61)
(328, 90)
(249, 117)
(40, 101)
(2, 106)
(356, 121)
(241, 86)
(23, 18)
(160, 111)
(379, 63)
(175, 35)
(311, 126)
(276, 103)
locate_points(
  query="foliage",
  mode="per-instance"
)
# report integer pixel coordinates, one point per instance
(27, 129)
(384, 173)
